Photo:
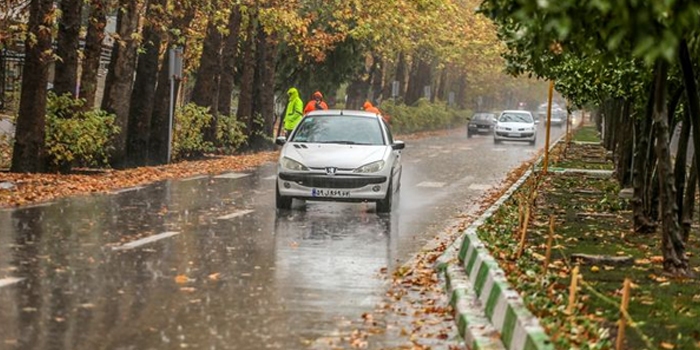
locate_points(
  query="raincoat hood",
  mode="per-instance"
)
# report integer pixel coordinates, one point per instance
(293, 93)
(367, 105)
(317, 95)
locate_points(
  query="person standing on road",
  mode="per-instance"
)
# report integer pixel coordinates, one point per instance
(368, 107)
(316, 103)
(294, 111)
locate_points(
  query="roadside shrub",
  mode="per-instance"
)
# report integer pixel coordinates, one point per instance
(425, 116)
(188, 136)
(230, 134)
(74, 136)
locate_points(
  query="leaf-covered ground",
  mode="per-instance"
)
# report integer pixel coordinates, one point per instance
(590, 218)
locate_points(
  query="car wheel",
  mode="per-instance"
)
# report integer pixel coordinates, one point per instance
(533, 142)
(496, 141)
(384, 205)
(280, 201)
(469, 135)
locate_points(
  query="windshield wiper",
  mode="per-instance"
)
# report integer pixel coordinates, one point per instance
(342, 142)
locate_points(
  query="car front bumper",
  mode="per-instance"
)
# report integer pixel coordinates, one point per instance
(479, 128)
(340, 187)
(515, 136)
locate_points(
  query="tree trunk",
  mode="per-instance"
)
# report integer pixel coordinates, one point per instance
(681, 163)
(29, 153)
(92, 52)
(420, 78)
(67, 46)
(388, 80)
(675, 260)
(245, 98)
(642, 222)
(357, 93)
(120, 77)
(228, 61)
(689, 203)
(401, 75)
(377, 76)
(461, 95)
(142, 96)
(158, 138)
(442, 93)
(206, 86)
(264, 105)
(625, 148)
(691, 89)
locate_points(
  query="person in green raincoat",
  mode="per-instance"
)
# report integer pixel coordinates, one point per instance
(295, 108)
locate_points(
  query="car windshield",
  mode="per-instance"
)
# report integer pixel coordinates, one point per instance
(515, 118)
(482, 116)
(354, 130)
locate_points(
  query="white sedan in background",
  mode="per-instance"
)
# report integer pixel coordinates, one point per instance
(515, 125)
(339, 155)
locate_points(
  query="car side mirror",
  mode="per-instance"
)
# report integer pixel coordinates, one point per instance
(281, 141)
(397, 145)
(537, 121)
(495, 120)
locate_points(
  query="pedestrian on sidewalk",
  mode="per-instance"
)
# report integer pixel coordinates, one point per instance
(294, 111)
(316, 103)
(369, 107)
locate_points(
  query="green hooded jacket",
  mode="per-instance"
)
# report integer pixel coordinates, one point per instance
(295, 108)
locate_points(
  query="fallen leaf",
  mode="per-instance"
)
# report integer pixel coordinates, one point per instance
(666, 345)
(214, 276)
(181, 279)
(595, 268)
(187, 289)
(657, 259)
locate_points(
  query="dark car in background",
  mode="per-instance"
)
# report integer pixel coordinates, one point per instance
(481, 123)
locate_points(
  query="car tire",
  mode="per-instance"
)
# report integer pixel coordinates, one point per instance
(496, 141)
(533, 142)
(469, 135)
(282, 202)
(384, 205)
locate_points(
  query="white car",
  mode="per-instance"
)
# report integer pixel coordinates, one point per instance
(339, 155)
(515, 125)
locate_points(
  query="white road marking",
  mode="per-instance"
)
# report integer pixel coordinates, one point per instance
(128, 189)
(231, 176)
(479, 187)
(499, 150)
(142, 241)
(235, 214)
(431, 184)
(465, 148)
(271, 177)
(10, 281)
(195, 178)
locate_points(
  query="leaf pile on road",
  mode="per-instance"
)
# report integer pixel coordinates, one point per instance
(591, 220)
(416, 314)
(21, 189)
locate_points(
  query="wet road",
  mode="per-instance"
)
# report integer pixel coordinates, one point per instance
(207, 263)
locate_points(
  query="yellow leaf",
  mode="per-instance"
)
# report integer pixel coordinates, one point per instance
(595, 268)
(214, 276)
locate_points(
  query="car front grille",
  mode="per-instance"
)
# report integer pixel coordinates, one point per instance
(332, 181)
(520, 135)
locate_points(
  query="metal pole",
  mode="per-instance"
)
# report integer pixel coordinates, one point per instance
(549, 122)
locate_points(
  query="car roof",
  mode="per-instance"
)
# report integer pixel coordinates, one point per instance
(339, 112)
(516, 111)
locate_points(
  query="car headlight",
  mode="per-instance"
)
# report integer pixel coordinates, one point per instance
(371, 167)
(292, 164)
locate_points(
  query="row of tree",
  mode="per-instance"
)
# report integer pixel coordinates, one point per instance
(636, 62)
(239, 54)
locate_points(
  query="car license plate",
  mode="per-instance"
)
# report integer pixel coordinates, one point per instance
(329, 193)
(513, 135)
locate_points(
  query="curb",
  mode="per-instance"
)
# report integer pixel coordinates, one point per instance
(482, 298)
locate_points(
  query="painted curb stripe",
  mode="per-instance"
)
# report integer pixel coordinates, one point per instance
(10, 281)
(235, 214)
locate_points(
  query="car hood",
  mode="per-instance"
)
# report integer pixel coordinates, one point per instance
(319, 155)
(514, 125)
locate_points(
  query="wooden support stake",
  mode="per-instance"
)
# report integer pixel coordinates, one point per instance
(520, 214)
(572, 291)
(523, 232)
(550, 238)
(623, 310)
